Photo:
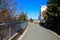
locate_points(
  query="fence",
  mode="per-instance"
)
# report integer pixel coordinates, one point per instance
(8, 29)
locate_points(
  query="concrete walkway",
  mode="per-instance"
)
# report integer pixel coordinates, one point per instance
(36, 32)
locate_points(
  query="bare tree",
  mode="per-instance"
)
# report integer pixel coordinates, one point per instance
(7, 10)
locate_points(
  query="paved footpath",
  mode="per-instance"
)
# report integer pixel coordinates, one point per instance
(36, 32)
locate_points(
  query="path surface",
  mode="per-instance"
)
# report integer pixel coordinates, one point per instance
(36, 32)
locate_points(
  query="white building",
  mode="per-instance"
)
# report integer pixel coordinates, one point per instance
(36, 21)
(43, 8)
(43, 11)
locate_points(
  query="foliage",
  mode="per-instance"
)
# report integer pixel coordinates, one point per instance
(53, 15)
(7, 10)
(31, 20)
(22, 17)
(4, 16)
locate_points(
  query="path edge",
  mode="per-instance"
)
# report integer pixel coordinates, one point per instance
(55, 34)
(23, 34)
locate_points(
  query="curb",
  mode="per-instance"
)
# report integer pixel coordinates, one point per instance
(13, 36)
(54, 33)
(20, 38)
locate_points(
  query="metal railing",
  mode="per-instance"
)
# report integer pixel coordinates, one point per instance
(8, 29)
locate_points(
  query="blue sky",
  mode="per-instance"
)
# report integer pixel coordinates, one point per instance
(32, 7)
